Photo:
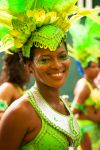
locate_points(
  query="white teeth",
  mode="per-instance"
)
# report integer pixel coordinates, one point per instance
(56, 75)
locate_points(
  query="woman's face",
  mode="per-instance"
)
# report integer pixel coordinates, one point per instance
(51, 68)
(93, 70)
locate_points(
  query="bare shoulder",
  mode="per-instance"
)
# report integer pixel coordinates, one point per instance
(6, 84)
(19, 113)
(81, 91)
(7, 91)
(17, 121)
(6, 87)
(81, 85)
(19, 108)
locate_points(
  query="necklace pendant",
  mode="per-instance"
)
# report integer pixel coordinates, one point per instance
(70, 148)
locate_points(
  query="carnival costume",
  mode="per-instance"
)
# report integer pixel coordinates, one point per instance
(42, 23)
(55, 126)
(87, 48)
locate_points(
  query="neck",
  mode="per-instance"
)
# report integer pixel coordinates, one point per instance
(50, 94)
(91, 80)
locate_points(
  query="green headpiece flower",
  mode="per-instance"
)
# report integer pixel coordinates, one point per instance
(86, 42)
(39, 22)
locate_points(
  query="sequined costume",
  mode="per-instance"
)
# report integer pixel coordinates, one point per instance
(55, 127)
(89, 126)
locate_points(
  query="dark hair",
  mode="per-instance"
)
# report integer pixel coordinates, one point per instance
(88, 64)
(99, 62)
(14, 70)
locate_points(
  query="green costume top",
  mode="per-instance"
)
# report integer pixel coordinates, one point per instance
(94, 99)
(55, 127)
(89, 126)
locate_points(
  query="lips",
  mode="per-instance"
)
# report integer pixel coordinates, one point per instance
(57, 75)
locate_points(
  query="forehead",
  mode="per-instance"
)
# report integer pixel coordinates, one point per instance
(93, 64)
(42, 51)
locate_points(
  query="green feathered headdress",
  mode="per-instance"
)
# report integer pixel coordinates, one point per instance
(86, 40)
(39, 22)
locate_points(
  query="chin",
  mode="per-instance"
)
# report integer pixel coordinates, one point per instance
(57, 85)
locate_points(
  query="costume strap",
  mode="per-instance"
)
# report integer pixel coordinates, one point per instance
(19, 89)
(89, 85)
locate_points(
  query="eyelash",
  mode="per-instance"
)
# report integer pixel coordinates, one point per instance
(44, 60)
(64, 57)
(48, 59)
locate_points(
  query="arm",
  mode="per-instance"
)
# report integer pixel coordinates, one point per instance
(6, 94)
(93, 114)
(82, 92)
(13, 127)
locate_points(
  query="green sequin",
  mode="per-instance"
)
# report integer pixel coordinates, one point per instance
(3, 105)
(50, 136)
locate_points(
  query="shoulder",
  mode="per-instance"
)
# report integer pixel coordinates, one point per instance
(7, 90)
(17, 121)
(23, 106)
(18, 113)
(81, 90)
(7, 86)
(81, 85)
(10, 92)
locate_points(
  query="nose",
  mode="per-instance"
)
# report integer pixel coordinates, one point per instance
(56, 64)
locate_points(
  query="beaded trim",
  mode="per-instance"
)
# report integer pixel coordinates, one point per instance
(65, 124)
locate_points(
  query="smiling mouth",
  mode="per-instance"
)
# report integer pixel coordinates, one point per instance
(57, 75)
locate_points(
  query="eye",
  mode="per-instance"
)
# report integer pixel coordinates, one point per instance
(63, 56)
(44, 60)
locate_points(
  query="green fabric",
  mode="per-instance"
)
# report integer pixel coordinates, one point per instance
(94, 132)
(48, 36)
(89, 101)
(3, 105)
(89, 126)
(49, 137)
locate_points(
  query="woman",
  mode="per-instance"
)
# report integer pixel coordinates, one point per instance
(46, 117)
(97, 79)
(48, 122)
(85, 107)
(86, 104)
(14, 76)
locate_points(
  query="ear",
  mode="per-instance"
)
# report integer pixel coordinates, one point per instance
(31, 67)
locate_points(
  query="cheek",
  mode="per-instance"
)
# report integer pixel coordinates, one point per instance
(39, 70)
(67, 63)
